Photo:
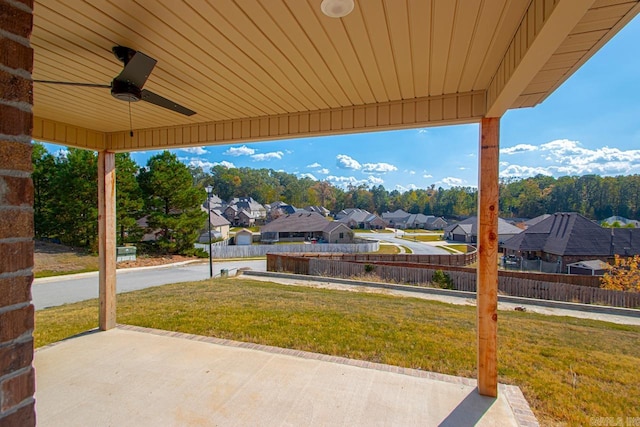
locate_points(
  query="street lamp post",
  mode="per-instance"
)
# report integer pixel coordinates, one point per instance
(209, 190)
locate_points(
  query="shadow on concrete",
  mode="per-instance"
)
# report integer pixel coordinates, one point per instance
(470, 411)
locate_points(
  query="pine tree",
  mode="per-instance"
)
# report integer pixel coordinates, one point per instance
(173, 203)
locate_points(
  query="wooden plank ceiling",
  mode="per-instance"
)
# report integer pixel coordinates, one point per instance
(260, 69)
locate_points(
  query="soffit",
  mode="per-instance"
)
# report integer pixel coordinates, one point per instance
(234, 60)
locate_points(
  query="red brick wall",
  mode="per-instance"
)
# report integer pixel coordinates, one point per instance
(17, 383)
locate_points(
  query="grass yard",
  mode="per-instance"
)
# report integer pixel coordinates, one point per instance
(569, 369)
(423, 237)
(448, 249)
(54, 260)
(388, 250)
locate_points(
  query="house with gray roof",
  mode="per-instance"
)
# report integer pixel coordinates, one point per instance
(467, 231)
(305, 226)
(360, 218)
(318, 209)
(568, 237)
(403, 220)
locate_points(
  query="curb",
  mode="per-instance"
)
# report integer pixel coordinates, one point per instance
(617, 311)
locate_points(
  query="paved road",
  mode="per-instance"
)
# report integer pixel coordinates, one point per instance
(54, 291)
(421, 248)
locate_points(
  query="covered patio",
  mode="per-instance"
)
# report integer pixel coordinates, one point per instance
(252, 71)
(155, 377)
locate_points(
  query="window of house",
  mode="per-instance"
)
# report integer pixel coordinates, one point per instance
(342, 235)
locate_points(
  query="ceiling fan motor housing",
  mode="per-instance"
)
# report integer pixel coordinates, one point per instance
(125, 91)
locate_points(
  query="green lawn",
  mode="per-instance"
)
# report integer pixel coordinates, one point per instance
(423, 237)
(569, 369)
(388, 249)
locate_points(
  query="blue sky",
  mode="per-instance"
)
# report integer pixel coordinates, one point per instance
(591, 124)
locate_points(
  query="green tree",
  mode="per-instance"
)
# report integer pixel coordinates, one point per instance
(173, 203)
(75, 198)
(129, 202)
(44, 169)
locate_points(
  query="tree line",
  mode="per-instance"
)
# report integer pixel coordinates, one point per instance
(168, 195)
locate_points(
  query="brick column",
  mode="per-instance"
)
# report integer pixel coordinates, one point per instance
(17, 384)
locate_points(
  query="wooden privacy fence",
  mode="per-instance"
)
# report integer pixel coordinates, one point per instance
(538, 286)
(235, 251)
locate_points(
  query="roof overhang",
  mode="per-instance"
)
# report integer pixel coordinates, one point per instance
(257, 71)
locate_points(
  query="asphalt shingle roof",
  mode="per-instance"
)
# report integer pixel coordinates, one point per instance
(298, 222)
(572, 234)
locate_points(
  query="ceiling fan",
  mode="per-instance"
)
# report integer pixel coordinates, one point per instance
(127, 86)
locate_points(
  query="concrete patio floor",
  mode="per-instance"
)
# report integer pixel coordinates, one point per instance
(132, 376)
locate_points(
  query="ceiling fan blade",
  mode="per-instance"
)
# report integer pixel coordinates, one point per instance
(137, 70)
(156, 99)
(55, 82)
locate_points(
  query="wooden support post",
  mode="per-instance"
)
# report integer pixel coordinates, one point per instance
(107, 238)
(487, 280)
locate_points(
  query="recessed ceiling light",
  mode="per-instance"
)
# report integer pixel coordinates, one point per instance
(336, 8)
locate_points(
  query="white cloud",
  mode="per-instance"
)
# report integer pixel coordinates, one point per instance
(404, 189)
(427, 175)
(267, 156)
(452, 181)
(226, 164)
(345, 162)
(323, 171)
(194, 150)
(411, 172)
(314, 165)
(207, 165)
(376, 180)
(378, 168)
(462, 168)
(516, 171)
(239, 151)
(566, 157)
(346, 181)
(308, 175)
(520, 148)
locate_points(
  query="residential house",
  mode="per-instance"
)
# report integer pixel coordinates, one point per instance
(278, 209)
(343, 213)
(304, 226)
(318, 209)
(255, 209)
(360, 218)
(219, 227)
(467, 231)
(403, 220)
(567, 238)
(215, 202)
(337, 232)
